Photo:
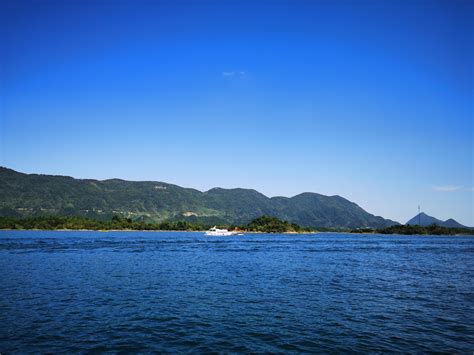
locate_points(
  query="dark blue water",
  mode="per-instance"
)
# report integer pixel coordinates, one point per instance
(182, 292)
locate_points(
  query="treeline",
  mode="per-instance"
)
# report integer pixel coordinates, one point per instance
(264, 224)
(74, 222)
(433, 229)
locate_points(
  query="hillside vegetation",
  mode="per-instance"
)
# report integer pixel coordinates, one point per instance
(32, 195)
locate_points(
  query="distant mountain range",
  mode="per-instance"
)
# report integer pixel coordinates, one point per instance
(423, 219)
(23, 195)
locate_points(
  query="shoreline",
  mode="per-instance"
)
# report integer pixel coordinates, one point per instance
(147, 230)
(243, 232)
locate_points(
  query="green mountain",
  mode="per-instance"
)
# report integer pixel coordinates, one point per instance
(24, 195)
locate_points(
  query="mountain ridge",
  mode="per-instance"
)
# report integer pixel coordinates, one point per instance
(40, 194)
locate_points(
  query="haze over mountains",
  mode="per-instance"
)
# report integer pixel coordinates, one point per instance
(24, 195)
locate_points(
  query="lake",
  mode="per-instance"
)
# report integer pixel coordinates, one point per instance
(66, 292)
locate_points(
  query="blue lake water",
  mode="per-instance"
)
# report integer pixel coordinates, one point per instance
(183, 292)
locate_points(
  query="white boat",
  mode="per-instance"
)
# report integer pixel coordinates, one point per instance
(214, 231)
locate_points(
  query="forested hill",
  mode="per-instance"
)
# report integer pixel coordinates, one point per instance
(24, 195)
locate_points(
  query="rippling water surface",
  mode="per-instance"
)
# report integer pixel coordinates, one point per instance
(183, 292)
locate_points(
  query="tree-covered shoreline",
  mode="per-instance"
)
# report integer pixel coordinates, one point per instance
(409, 229)
(85, 223)
(263, 224)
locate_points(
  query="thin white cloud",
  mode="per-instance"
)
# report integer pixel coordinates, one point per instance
(447, 188)
(234, 73)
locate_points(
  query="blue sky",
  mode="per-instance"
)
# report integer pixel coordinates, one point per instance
(370, 100)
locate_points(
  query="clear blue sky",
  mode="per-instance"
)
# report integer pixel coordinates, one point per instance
(370, 100)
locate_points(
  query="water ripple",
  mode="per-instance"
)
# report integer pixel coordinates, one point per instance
(184, 293)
